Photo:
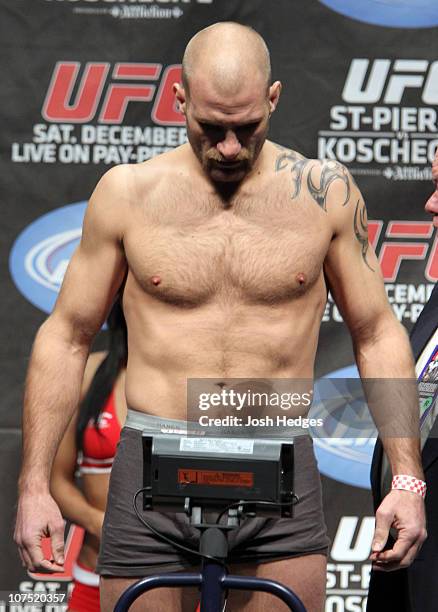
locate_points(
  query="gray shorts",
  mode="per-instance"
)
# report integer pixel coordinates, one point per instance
(128, 548)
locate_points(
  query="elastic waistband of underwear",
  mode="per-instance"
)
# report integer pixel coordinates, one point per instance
(144, 422)
(149, 422)
(85, 575)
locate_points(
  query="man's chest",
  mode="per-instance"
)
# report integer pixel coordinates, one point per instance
(265, 250)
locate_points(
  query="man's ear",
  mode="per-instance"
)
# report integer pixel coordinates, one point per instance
(180, 96)
(274, 96)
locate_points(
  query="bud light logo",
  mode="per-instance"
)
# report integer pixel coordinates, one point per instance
(390, 13)
(41, 253)
(345, 456)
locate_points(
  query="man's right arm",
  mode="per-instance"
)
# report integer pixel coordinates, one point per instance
(58, 359)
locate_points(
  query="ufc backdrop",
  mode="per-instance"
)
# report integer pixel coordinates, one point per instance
(86, 84)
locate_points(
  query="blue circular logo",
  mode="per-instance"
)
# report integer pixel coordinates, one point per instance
(342, 451)
(390, 13)
(41, 253)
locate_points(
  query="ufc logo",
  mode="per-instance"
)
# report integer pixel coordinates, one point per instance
(394, 252)
(360, 88)
(139, 84)
(351, 544)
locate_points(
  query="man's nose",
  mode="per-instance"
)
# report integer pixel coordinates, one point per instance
(230, 146)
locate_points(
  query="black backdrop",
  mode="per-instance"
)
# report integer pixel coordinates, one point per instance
(75, 71)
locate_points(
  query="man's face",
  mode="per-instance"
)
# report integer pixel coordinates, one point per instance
(227, 133)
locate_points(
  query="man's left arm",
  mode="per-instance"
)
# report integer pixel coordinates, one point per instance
(382, 351)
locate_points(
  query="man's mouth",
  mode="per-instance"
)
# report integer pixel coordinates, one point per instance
(229, 165)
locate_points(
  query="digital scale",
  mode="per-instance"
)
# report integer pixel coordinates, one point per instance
(234, 477)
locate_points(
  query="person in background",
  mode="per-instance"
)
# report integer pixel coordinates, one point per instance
(415, 588)
(88, 448)
(432, 202)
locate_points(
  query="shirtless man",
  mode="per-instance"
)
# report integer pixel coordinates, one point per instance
(225, 249)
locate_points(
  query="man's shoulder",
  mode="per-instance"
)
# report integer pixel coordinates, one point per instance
(115, 181)
(286, 157)
(294, 160)
(150, 173)
(325, 182)
(293, 163)
(124, 182)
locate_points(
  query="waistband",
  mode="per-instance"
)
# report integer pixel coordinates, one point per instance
(144, 422)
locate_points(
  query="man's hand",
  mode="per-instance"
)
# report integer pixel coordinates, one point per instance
(404, 511)
(39, 517)
(432, 202)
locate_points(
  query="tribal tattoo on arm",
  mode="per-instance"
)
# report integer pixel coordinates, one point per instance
(331, 171)
(298, 163)
(360, 227)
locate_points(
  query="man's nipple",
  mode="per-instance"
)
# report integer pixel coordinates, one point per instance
(156, 280)
(301, 278)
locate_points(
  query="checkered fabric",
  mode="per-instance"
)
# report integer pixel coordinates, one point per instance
(409, 483)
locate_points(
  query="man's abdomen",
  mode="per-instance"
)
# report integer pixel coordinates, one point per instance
(167, 346)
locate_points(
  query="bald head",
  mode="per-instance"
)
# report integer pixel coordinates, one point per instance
(226, 54)
(227, 99)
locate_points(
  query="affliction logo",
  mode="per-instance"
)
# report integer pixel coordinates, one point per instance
(104, 94)
(133, 9)
(376, 125)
